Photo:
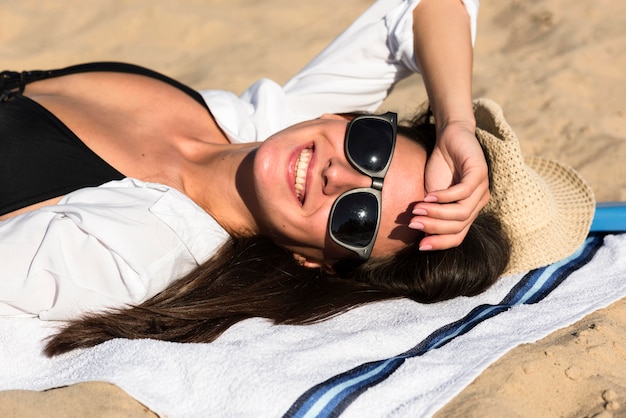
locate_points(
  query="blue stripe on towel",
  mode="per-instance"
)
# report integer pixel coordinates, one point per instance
(332, 397)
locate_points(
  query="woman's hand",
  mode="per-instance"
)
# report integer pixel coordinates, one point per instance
(457, 187)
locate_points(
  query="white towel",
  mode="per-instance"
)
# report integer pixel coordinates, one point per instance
(352, 365)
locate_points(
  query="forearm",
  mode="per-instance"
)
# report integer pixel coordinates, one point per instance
(443, 51)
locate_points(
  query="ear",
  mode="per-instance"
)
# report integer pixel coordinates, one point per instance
(313, 264)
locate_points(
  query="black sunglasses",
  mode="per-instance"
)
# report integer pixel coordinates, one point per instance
(355, 215)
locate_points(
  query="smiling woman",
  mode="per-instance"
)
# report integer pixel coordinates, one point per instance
(255, 277)
(142, 208)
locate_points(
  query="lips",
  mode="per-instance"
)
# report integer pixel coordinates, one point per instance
(301, 168)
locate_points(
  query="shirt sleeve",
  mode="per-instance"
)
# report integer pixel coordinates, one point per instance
(99, 248)
(355, 72)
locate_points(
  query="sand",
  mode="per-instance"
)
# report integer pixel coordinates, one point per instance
(557, 67)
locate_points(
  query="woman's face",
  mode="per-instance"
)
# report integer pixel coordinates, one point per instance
(294, 196)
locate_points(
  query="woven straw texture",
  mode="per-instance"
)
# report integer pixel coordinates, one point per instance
(546, 207)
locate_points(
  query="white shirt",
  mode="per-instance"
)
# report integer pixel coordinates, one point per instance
(100, 247)
(127, 240)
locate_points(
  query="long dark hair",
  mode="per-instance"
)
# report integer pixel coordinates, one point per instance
(253, 277)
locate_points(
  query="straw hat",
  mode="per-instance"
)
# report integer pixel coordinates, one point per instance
(545, 206)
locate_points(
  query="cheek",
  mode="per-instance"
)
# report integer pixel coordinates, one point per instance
(395, 239)
(306, 235)
(394, 233)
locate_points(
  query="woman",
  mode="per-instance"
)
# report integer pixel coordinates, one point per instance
(171, 144)
(256, 276)
(143, 235)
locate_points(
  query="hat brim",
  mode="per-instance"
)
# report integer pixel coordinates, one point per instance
(545, 206)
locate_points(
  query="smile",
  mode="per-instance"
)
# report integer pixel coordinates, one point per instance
(302, 165)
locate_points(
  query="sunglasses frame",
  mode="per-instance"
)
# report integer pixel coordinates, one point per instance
(375, 189)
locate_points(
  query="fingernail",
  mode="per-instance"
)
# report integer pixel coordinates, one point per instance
(430, 199)
(420, 212)
(416, 225)
(426, 247)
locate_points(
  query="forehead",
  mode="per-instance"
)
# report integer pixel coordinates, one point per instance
(403, 187)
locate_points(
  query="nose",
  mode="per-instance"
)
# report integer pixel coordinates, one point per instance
(339, 176)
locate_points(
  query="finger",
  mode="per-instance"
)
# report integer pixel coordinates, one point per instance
(442, 242)
(446, 212)
(457, 211)
(439, 227)
(460, 191)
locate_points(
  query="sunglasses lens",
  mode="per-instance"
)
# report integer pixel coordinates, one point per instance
(354, 219)
(370, 143)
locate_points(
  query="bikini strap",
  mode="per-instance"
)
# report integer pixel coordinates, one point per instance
(13, 82)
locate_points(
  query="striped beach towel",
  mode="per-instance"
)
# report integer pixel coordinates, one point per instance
(330, 398)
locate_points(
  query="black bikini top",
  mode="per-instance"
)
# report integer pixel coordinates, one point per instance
(40, 157)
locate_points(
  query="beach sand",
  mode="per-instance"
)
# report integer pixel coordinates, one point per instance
(558, 69)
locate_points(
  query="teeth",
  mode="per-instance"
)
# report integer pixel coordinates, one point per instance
(301, 167)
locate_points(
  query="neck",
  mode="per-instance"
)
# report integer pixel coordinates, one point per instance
(220, 184)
